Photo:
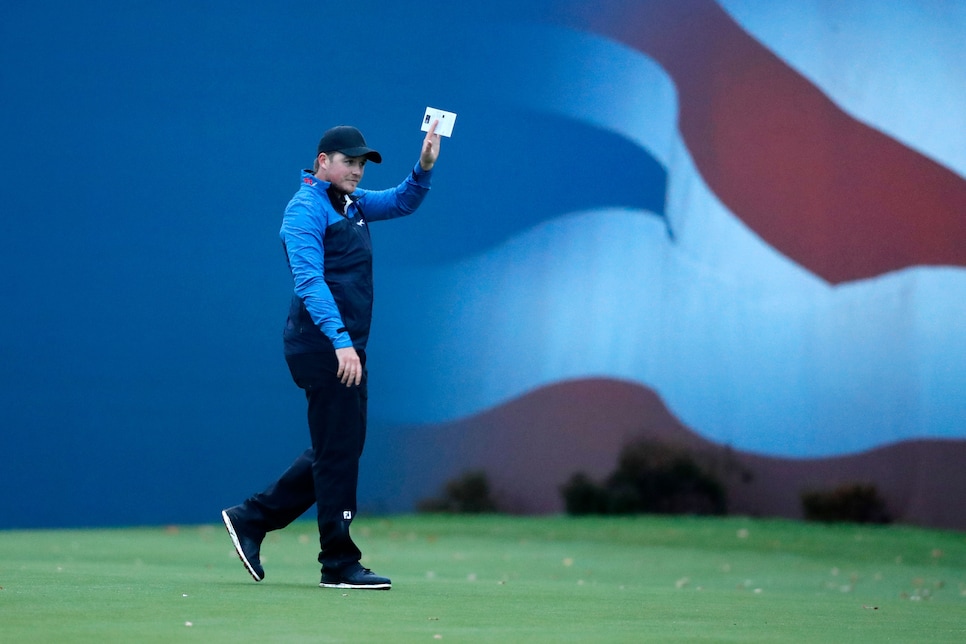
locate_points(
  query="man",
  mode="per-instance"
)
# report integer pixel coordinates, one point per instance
(325, 232)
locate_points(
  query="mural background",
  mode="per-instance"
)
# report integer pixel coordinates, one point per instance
(738, 226)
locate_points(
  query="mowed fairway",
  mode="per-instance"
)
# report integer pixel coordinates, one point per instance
(494, 579)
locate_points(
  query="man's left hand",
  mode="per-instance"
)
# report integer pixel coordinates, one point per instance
(430, 151)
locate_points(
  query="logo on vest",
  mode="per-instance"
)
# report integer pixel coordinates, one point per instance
(347, 515)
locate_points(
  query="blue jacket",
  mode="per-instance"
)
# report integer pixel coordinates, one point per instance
(330, 256)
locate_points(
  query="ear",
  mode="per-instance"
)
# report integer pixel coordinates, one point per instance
(320, 165)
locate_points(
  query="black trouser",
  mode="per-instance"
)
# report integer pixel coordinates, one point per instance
(327, 474)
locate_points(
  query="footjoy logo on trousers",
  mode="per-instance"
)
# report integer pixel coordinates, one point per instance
(347, 515)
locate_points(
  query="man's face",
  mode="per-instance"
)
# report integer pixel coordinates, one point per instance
(341, 171)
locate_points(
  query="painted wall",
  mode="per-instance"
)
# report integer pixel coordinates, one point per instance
(757, 213)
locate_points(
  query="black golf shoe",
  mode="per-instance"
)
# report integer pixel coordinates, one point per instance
(355, 576)
(247, 542)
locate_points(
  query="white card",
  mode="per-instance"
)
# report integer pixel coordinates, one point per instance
(446, 121)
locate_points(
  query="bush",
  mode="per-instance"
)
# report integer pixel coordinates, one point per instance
(468, 494)
(851, 502)
(651, 477)
(583, 496)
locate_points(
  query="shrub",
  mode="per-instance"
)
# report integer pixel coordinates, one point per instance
(851, 502)
(651, 477)
(468, 494)
(583, 496)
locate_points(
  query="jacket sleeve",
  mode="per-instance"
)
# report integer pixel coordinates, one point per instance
(399, 201)
(303, 229)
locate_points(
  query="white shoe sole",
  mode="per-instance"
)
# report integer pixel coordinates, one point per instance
(238, 548)
(357, 586)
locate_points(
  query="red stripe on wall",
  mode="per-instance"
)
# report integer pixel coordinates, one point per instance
(835, 195)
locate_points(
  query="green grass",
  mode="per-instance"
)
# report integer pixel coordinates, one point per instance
(495, 579)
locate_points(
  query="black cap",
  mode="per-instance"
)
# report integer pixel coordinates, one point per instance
(349, 141)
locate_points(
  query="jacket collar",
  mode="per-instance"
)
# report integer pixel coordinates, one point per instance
(309, 179)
